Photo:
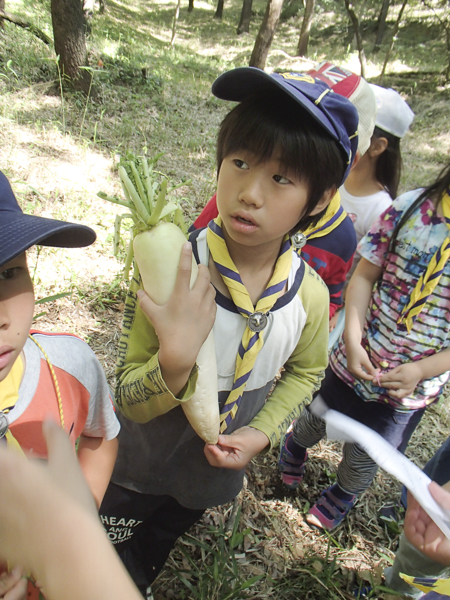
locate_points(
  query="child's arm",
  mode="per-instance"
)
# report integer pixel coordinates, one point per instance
(97, 457)
(156, 368)
(357, 300)
(402, 381)
(183, 324)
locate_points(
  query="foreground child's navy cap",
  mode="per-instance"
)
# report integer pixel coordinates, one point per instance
(333, 112)
(18, 231)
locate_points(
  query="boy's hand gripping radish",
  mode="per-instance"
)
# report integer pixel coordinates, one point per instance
(157, 245)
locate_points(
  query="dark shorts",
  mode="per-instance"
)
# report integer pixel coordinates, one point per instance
(394, 426)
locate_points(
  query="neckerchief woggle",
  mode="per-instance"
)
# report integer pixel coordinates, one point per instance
(428, 280)
(253, 337)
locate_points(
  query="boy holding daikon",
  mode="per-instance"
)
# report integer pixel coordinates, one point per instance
(282, 152)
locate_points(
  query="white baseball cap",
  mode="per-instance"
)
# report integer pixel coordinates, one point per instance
(393, 113)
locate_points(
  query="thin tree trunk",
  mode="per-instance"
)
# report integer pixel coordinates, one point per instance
(246, 15)
(381, 24)
(175, 21)
(391, 46)
(25, 25)
(359, 42)
(302, 48)
(219, 10)
(70, 45)
(2, 9)
(447, 40)
(191, 6)
(266, 33)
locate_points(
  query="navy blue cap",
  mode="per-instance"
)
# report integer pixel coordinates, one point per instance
(333, 112)
(19, 231)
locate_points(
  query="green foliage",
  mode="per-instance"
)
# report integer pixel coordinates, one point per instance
(216, 576)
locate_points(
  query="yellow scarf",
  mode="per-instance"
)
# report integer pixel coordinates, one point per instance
(333, 217)
(252, 340)
(428, 584)
(428, 280)
(9, 394)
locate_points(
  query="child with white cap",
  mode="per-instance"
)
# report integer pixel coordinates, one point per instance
(373, 182)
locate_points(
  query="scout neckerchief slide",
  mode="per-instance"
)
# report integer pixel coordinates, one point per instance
(332, 218)
(9, 394)
(428, 280)
(252, 340)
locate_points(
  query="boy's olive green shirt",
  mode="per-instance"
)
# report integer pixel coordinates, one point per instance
(159, 453)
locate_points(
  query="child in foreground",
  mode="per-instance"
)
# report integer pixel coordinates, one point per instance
(394, 358)
(48, 375)
(281, 153)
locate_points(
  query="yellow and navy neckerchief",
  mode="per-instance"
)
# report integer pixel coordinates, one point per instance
(428, 280)
(257, 316)
(333, 217)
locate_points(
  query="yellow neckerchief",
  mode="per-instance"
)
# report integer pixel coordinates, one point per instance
(333, 217)
(428, 280)
(428, 584)
(9, 394)
(252, 340)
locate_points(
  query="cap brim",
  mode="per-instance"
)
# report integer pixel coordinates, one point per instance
(237, 84)
(18, 232)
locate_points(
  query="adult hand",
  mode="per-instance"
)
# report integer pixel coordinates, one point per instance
(402, 380)
(236, 450)
(29, 488)
(422, 531)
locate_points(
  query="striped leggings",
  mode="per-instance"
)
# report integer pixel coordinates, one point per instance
(356, 470)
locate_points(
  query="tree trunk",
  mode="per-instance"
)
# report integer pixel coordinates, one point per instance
(191, 6)
(302, 48)
(70, 45)
(266, 33)
(359, 42)
(175, 21)
(2, 7)
(219, 10)
(391, 46)
(246, 15)
(381, 28)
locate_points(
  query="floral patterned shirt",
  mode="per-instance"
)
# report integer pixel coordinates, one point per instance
(387, 344)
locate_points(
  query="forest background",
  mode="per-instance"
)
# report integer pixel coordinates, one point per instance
(148, 91)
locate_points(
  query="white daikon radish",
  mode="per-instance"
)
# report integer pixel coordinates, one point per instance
(156, 247)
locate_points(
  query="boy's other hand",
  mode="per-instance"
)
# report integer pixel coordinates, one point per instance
(358, 362)
(236, 450)
(13, 585)
(422, 531)
(402, 381)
